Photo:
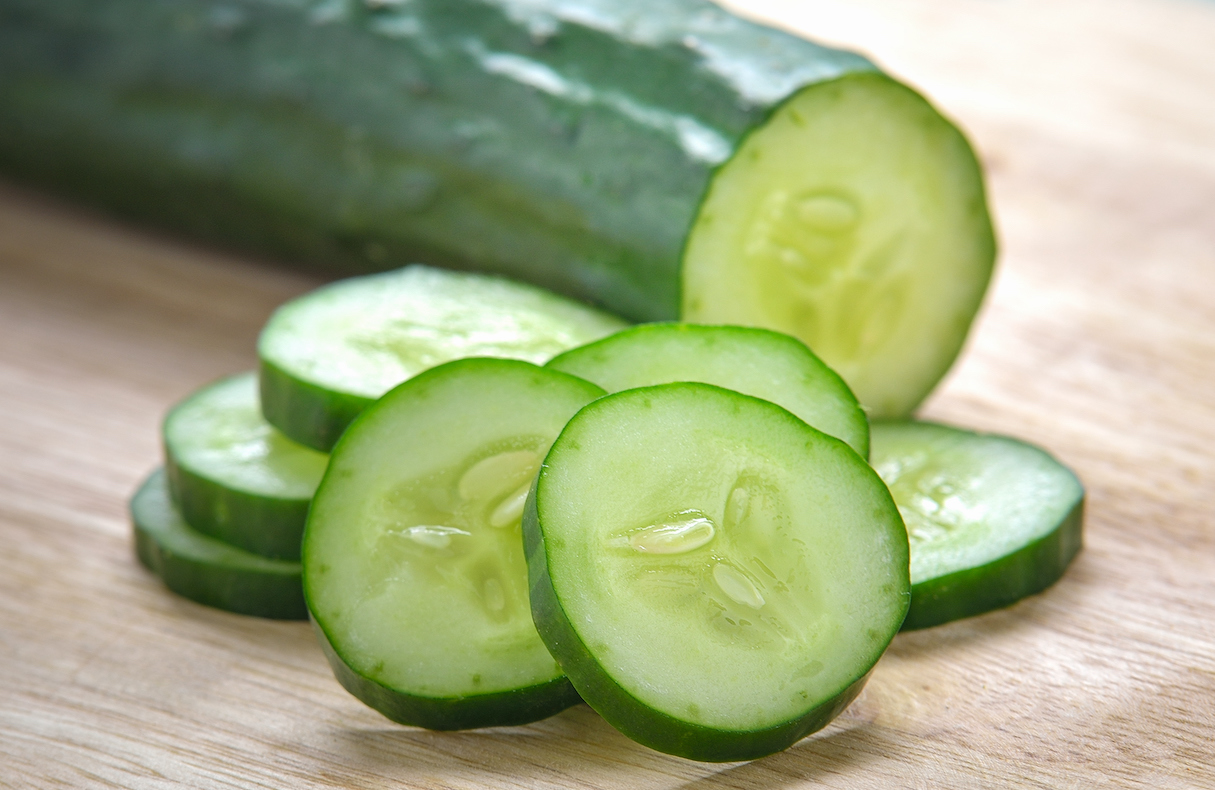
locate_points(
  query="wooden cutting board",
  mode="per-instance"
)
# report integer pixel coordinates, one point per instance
(1096, 119)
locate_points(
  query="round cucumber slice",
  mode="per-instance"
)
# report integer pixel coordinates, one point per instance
(329, 354)
(990, 519)
(855, 220)
(233, 476)
(715, 577)
(768, 365)
(413, 557)
(207, 570)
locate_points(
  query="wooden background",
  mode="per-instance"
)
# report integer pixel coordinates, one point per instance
(1096, 119)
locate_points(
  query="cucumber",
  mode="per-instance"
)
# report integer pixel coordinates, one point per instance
(662, 158)
(715, 577)
(331, 353)
(233, 476)
(413, 557)
(207, 570)
(991, 519)
(768, 365)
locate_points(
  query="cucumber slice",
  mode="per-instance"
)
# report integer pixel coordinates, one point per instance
(768, 365)
(715, 577)
(413, 559)
(233, 476)
(990, 519)
(329, 354)
(855, 220)
(207, 570)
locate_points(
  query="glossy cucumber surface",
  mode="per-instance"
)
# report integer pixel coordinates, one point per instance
(991, 519)
(206, 570)
(638, 154)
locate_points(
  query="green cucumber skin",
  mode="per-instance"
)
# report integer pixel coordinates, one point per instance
(314, 416)
(263, 525)
(496, 135)
(998, 584)
(622, 710)
(259, 593)
(504, 709)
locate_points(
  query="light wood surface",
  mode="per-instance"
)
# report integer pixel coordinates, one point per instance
(1097, 122)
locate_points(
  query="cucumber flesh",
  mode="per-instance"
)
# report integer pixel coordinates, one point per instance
(207, 570)
(413, 557)
(855, 220)
(990, 519)
(768, 365)
(715, 577)
(233, 476)
(329, 354)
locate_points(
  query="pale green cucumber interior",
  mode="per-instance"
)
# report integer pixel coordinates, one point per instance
(219, 433)
(367, 334)
(413, 553)
(854, 219)
(764, 364)
(969, 499)
(721, 561)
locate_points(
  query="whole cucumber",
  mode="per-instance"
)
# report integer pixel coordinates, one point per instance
(632, 153)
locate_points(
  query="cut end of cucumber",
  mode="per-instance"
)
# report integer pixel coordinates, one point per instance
(854, 219)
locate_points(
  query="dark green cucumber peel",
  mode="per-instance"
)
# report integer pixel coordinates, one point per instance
(582, 147)
(768, 365)
(206, 570)
(473, 709)
(806, 231)
(503, 709)
(640, 719)
(972, 579)
(234, 477)
(628, 714)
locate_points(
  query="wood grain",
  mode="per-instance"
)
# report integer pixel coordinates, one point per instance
(1097, 123)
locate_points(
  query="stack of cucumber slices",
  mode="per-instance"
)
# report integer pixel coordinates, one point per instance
(494, 503)
(222, 522)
